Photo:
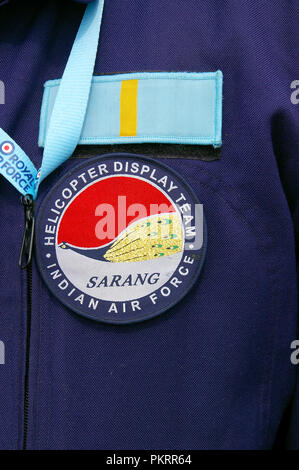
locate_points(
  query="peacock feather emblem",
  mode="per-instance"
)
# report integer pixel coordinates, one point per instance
(153, 237)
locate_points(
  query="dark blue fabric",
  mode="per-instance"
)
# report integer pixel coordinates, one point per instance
(215, 371)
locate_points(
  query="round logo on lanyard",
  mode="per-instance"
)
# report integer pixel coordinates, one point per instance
(120, 238)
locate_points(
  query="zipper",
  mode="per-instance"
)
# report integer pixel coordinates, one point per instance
(27, 243)
(25, 262)
(27, 357)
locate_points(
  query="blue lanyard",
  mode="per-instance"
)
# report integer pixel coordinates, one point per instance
(68, 113)
(64, 128)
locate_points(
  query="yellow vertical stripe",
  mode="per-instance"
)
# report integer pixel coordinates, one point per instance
(128, 108)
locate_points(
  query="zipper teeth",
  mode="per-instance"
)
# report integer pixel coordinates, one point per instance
(27, 360)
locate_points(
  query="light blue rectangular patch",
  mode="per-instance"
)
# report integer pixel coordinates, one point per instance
(176, 107)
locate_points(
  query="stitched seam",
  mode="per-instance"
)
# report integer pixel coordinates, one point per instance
(218, 109)
(20, 424)
(148, 136)
(141, 76)
(49, 388)
(57, 83)
(38, 365)
(215, 111)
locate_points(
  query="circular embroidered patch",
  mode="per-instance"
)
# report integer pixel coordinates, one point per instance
(120, 238)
